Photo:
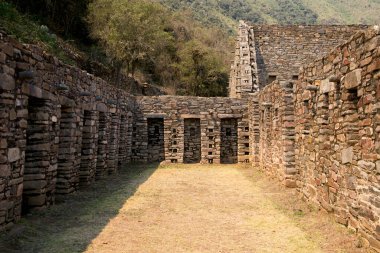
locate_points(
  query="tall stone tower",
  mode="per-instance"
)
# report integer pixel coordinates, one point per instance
(244, 77)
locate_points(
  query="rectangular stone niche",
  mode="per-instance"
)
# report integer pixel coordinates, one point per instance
(40, 165)
(68, 152)
(156, 148)
(229, 141)
(192, 141)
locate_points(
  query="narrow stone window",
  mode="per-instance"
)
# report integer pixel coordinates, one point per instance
(272, 78)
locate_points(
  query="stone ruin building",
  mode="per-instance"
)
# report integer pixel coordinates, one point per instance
(303, 106)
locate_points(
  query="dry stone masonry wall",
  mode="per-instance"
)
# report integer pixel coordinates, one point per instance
(337, 144)
(320, 133)
(184, 117)
(52, 119)
(62, 128)
(265, 53)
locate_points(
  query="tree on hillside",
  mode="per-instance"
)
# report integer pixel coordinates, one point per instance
(131, 31)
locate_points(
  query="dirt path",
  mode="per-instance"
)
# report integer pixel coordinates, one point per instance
(218, 209)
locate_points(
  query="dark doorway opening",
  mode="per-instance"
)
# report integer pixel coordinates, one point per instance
(192, 141)
(156, 148)
(229, 141)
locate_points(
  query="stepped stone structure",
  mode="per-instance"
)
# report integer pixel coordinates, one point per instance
(303, 107)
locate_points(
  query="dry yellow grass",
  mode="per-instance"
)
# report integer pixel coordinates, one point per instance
(182, 208)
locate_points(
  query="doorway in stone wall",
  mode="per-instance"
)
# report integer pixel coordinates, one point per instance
(39, 172)
(192, 141)
(156, 148)
(229, 141)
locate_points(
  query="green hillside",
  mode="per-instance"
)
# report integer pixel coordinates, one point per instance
(181, 45)
(225, 13)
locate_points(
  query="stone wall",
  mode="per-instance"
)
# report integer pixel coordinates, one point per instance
(244, 75)
(59, 129)
(275, 133)
(175, 111)
(321, 133)
(337, 133)
(62, 128)
(265, 53)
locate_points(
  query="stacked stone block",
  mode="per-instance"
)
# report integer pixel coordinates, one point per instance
(89, 148)
(102, 152)
(40, 173)
(125, 139)
(69, 153)
(113, 147)
(244, 75)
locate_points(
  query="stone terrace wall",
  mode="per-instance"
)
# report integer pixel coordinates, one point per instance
(174, 110)
(338, 133)
(49, 128)
(276, 134)
(282, 50)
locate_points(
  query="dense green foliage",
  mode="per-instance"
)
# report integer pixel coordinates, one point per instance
(28, 30)
(225, 13)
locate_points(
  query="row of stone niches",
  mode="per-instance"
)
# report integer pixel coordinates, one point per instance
(69, 151)
(192, 152)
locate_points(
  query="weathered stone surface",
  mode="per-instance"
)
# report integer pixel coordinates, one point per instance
(353, 79)
(14, 154)
(7, 82)
(347, 155)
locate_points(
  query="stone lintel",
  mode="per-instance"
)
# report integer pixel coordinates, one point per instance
(229, 116)
(155, 115)
(34, 91)
(190, 116)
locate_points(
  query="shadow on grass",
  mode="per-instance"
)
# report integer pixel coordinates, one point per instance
(71, 225)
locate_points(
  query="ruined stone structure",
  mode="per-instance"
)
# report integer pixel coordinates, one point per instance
(265, 53)
(320, 133)
(303, 107)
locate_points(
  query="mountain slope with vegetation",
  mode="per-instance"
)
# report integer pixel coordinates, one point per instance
(181, 45)
(225, 13)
